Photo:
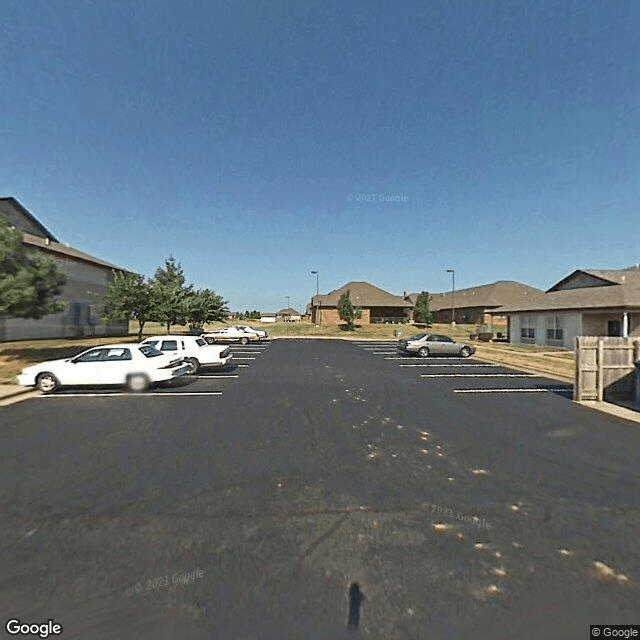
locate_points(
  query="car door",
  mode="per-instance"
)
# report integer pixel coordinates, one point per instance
(170, 346)
(434, 345)
(118, 364)
(86, 368)
(448, 346)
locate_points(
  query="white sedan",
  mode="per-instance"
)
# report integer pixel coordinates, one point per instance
(193, 350)
(261, 333)
(231, 334)
(135, 366)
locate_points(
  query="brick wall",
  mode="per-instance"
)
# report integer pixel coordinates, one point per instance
(330, 317)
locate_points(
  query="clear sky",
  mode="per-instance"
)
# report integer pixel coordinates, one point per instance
(241, 135)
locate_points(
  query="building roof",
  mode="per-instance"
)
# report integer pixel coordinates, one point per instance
(362, 294)
(288, 312)
(496, 294)
(20, 218)
(267, 314)
(56, 248)
(587, 289)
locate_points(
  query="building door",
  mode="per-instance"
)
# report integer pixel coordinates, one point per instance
(614, 328)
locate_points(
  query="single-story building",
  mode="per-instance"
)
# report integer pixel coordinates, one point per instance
(475, 304)
(88, 279)
(587, 302)
(267, 317)
(288, 315)
(377, 305)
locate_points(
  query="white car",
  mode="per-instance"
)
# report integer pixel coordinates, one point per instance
(135, 366)
(263, 335)
(193, 350)
(231, 334)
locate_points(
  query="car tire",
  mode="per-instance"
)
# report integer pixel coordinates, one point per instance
(465, 352)
(423, 352)
(138, 382)
(47, 382)
(244, 340)
(194, 366)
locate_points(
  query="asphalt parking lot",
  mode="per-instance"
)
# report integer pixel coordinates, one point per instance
(502, 514)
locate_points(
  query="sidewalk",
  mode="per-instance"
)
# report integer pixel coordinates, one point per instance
(11, 393)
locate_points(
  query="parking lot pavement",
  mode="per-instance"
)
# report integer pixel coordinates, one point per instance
(471, 375)
(252, 514)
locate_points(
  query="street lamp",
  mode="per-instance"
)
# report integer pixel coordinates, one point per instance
(453, 296)
(316, 319)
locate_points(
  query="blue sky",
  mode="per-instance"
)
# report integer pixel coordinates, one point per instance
(239, 136)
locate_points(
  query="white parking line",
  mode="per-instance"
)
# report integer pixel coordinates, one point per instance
(243, 358)
(137, 395)
(496, 366)
(479, 375)
(226, 375)
(534, 390)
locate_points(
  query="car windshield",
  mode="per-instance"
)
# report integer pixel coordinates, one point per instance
(418, 337)
(150, 351)
(151, 343)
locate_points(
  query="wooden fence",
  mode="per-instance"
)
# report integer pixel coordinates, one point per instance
(605, 367)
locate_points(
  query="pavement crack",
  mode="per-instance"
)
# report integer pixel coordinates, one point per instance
(320, 539)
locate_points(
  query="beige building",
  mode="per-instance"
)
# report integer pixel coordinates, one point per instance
(88, 278)
(377, 305)
(585, 303)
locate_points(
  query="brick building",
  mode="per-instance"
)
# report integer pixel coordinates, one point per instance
(377, 305)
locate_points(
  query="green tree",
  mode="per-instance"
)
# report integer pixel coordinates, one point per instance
(29, 281)
(347, 311)
(170, 294)
(129, 297)
(204, 306)
(423, 309)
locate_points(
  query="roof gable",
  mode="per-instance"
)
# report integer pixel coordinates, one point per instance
(20, 218)
(362, 294)
(580, 279)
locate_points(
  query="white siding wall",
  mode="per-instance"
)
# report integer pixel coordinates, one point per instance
(83, 292)
(570, 322)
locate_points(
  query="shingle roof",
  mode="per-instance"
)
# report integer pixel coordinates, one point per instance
(620, 289)
(288, 312)
(64, 250)
(362, 294)
(496, 294)
(19, 217)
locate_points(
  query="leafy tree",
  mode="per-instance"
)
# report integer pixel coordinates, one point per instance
(204, 306)
(29, 281)
(128, 297)
(423, 309)
(170, 294)
(347, 311)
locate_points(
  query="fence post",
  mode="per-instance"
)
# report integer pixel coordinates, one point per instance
(600, 380)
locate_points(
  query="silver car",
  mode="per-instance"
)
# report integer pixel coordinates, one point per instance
(431, 344)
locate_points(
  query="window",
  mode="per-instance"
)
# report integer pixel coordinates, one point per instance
(117, 354)
(76, 314)
(169, 345)
(554, 328)
(200, 342)
(95, 355)
(528, 328)
(149, 351)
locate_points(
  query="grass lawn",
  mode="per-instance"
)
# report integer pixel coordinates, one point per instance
(16, 355)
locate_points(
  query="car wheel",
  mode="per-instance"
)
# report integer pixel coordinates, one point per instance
(47, 382)
(194, 366)
(423, 352)
(465, 352)
(137, 383)
(244, 340)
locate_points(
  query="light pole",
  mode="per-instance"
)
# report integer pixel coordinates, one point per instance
(317, 313)
(288, 303)
(453, 296)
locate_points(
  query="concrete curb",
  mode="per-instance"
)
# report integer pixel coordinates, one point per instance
(612, 410)
(14, 391)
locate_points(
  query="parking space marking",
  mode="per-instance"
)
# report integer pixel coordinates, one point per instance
(479, 375)
(137, 395)
(524, 390)
(243, 358)
(482, 364)
(224, 375)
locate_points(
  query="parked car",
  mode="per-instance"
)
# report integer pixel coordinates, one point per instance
(194, 350)
(431, 344)
(231, 334)
(135, 366)
(263, 335)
